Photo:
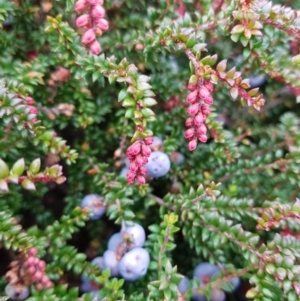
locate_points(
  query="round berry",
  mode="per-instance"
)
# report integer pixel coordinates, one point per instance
(16, 293)
(99, 262)
(114, 241)
(111, 262)
(136, 235)
(158, 164)
(94, 202)
(217, 295)
(183, 286)
(134, 264)
(157, 143)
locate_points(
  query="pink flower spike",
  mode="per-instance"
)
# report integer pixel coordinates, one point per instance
(192, 145)
(88, 37)
(98, 12)
(80, 6)
(102, 24)
(193, 109)
(83, 20)
(95, 48)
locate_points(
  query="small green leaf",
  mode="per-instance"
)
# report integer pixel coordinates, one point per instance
(35, 166)
(4, 170)
(28, 184)
(221, 67)
(18, 167)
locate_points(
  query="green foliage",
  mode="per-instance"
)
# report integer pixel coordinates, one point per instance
(67, 117)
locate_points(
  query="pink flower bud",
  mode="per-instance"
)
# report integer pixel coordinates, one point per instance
(133, 166)
(37, 276)
(189, 134)
(141, 180)
(32, 252)
(29, 261)
(189, 122)
(142, 170)
(94, 2)
(146, 150)
(208, 100)
(192, 145)
(130, 177)
(39, 287)
(145, 160)
(205, 110)
(134, 148)
(148, 140)
(45, 279)
(209, 86)
(29, 100)
(202, 129)
(83, 20)
(202, 138)
(193, 109)
(80, 6)
(102, 24)
(88, 37)
(49, 284)
(192, 87)
(192, 97)
(42, 265)
(95, 48)
(98, 12)
(203, 92)
(33, 110)
(139, 160)
(198, 120)
(31, 270)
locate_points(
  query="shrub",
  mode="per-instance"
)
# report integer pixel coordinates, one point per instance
(207, 92)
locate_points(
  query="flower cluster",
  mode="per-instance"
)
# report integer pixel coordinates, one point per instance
(93, 23)
(199, 100)
(28, 270)
(138, 154)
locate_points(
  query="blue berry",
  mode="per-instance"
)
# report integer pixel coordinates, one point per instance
(99, 262)
(16, 293)
(177, 158)
(157, 143)
(217, 295)
(114, 241)
(158, 165)
(94, 202)
(137, 235)
(183, 286)
(134, 264)
(111, 262)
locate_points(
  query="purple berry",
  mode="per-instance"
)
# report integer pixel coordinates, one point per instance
(111, 262)
(158, 164)
(16, 293)
(94, 202)
(134, 264)
(114, 241)
(183, 286)
(157, 143)
(99, 262)
(137, 235)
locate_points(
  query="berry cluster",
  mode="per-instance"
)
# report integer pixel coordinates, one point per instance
(199, 100)
(138, 154)
(27, 270)
(124, 256)
(93, 23)
(94, 203)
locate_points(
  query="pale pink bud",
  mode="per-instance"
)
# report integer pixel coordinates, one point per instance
(192, 97)
(80, 6)
(37, 276)
(139, 160)
(146, 150)
(148, 140)
(39, 287)
(42, 265)
(209, 86)
(189, 122)
(95, 48)
(31, 270)
(203, 92)
(33, 110)
(192, 87)
(102, 24)
(192, 144)
(141, 180)
(202, 138)
(98, 12)
(29, 100)
(198, 120)
(142, 170)
(83, 20)
(32, 251)
(134, 149)
(88, 37)
(29, 261)
(189, 134)
(193, 109)
(49, 284)
(208, 100)
(133, 166)
(45, 279)
(205, 110)
(202, 129)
